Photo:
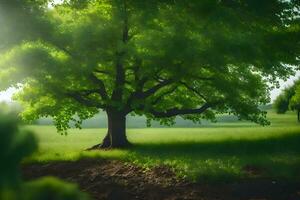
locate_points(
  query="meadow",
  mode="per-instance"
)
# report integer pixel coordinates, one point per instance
(223, 151)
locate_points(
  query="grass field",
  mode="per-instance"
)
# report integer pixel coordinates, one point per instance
(223, 151)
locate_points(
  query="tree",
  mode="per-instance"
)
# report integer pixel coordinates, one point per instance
(156, 58)
(282, 102)
(295, 101)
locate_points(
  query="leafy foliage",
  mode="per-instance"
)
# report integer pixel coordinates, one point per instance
(52, 188)
(15, 144)
(21, 19)
(295, 99)
(283, 101)
(155, 58)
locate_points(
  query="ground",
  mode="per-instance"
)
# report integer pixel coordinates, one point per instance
(234, 160)
(115, 180)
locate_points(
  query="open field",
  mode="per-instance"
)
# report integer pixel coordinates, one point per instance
(220, 152)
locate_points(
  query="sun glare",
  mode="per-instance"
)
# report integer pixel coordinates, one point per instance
(7, 95)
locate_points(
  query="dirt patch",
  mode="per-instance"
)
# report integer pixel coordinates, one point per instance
(115, 180)
(253, 171)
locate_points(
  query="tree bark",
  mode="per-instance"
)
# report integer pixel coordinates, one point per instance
(116, 133)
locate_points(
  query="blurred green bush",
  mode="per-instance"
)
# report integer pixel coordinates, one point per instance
(16, 144)
(49, 188)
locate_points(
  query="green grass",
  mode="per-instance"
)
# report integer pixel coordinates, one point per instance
(214, 153)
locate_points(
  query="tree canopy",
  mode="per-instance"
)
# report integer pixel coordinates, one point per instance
(282, 101)
(289, 99)
(155, 58)
(295, 101)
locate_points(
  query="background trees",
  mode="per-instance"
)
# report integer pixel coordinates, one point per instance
(281, 103)
(289, 99)
(155, 58)
(295, 102)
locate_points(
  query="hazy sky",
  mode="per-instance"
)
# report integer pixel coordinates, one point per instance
(284, 84)
(6, 96)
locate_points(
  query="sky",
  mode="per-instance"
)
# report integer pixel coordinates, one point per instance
(284, 84)
(55, 2)
(6, 95)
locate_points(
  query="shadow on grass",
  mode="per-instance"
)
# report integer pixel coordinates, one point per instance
(210, 160)
(282, 144)
(276, 157)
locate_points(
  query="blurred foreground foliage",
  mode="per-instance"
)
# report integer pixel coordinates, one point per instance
(15, 144)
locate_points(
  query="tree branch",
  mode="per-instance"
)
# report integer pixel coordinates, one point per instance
(139, 81)
(159, 98)
(203, 78)
(103, 72)
(193, 90)
(175, 111)
(155, 88)
(82, 100)
(88, 92)
(117, 93)
(139, 94)
(102, 89)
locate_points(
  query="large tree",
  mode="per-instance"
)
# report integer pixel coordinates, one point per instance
(158, 58)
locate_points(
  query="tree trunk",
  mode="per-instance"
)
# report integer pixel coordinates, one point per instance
(298, 113)
(116, 133)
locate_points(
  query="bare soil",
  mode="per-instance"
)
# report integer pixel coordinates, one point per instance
(116, 180)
